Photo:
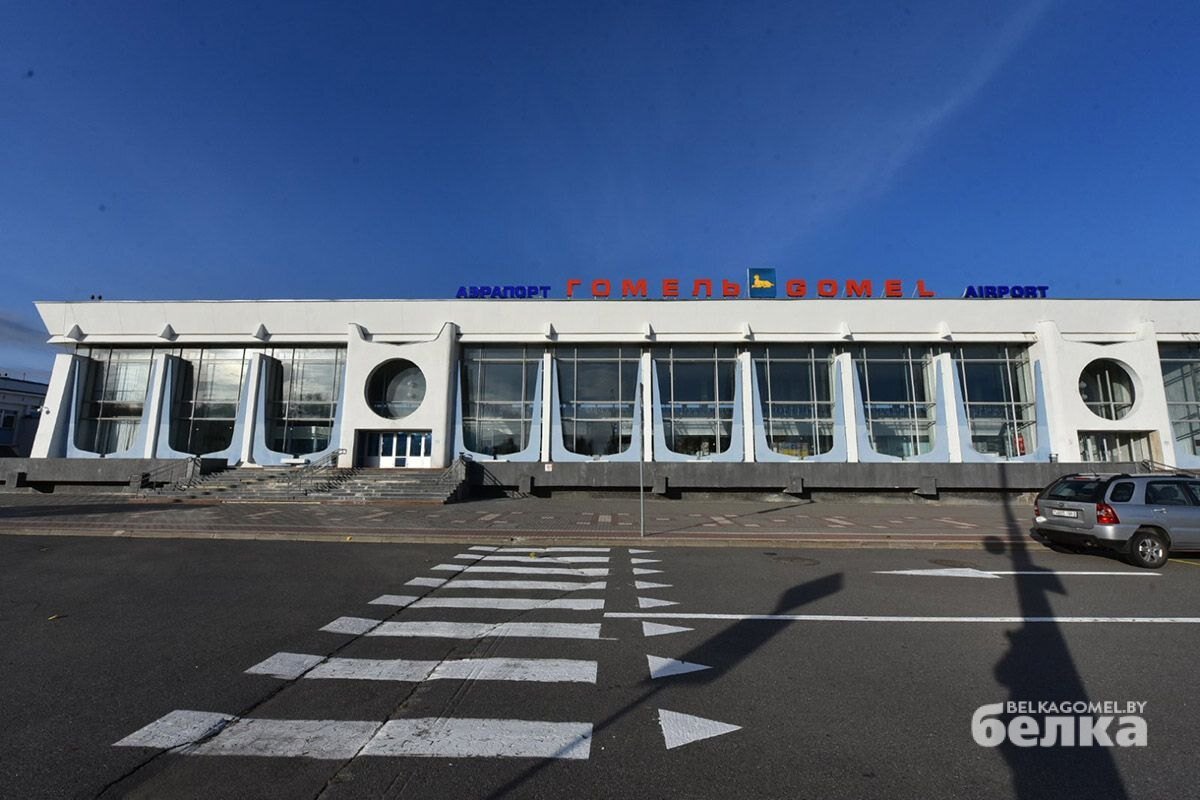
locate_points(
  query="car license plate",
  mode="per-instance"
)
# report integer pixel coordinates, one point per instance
(1063, 512)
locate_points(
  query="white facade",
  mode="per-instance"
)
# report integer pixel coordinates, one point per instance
(1056, 343)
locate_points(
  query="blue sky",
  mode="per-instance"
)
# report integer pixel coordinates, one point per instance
(238, 150)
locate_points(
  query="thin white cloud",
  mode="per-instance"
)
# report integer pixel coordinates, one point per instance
(868, 170)
(23, 349)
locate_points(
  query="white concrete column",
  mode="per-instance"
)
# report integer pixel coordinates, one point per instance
(154, 399)
(547, 397)
(746, 367)
(245, 453)
(647, 407)
(949, 403)
(1064, 440)
(54, 423)
(849, 407)
(1154, 392)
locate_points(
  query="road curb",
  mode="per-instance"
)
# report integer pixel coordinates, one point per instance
(787, 540)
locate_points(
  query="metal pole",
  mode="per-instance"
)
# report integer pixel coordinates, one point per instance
(642, 490)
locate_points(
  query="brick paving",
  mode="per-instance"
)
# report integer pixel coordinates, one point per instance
(727, 521)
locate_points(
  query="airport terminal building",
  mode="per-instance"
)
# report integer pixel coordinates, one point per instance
(744, 391)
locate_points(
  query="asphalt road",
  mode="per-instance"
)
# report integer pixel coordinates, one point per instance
(104, 638)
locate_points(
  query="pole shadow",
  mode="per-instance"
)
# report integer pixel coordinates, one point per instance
(1038, 666)
(743, 637)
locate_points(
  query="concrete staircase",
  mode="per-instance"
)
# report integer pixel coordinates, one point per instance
(275, 484)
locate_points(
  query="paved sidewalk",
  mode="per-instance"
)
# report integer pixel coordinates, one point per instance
(692, 522)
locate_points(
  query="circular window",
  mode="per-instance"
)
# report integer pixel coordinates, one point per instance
(395, 389)
(1106, 388)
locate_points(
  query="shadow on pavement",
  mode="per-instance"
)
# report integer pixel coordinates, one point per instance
(1038, 666)
(741, 639)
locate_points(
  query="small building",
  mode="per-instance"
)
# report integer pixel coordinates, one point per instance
(20, 407)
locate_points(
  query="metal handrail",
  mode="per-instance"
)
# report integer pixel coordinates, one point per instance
(178, 472)
(1158, 466)
(302, 478)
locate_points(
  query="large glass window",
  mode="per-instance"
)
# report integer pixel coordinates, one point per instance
(794, 383)
(897, 386)
(1181, 378)
(498, 385)
(114, 393)
(998, 390)
(697, 387)
(303, 388)
(207, 387)
(597, 389)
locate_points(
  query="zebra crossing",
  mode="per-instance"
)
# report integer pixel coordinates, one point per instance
(516, 577)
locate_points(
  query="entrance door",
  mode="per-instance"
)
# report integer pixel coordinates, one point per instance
(418, 450)
(390, 449)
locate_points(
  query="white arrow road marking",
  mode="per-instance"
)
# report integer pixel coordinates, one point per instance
(666, 667)
(558, 586)
(543, 559)
(536, 670)
(680, 729)
(649, 585)
(431, 582)
(393, 600)
(496, 738)
(645, 560)
(954, 572)
(175, 729)
(585, 572)
(969, 572)
(513, 603)
(655, 629)
(654, 602)
(633, 552)
(868, 618)
(642, 571)
(552, 549)
(481, 630)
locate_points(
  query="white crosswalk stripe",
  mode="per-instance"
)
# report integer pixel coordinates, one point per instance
(290, 666)
(552, 549)
(516, 570)
(513, 603)
(556, 586)
(542, 559)
(482, 630)
(591, 572)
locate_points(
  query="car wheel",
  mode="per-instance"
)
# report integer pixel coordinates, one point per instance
(1148, 549)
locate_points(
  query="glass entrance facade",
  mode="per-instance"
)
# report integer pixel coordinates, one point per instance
(115, 384)
(597, 390)
(795, 387)
(498, 388)
(898, 398)
(304, 385)
(696, 385)
(998, 394)
(386, 449)
(204, 406)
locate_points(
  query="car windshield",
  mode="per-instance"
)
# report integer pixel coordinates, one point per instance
(1084, 490)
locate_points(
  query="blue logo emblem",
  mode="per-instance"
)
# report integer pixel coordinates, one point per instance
(760, 282)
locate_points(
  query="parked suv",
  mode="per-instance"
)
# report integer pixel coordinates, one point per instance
(1143, 517)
